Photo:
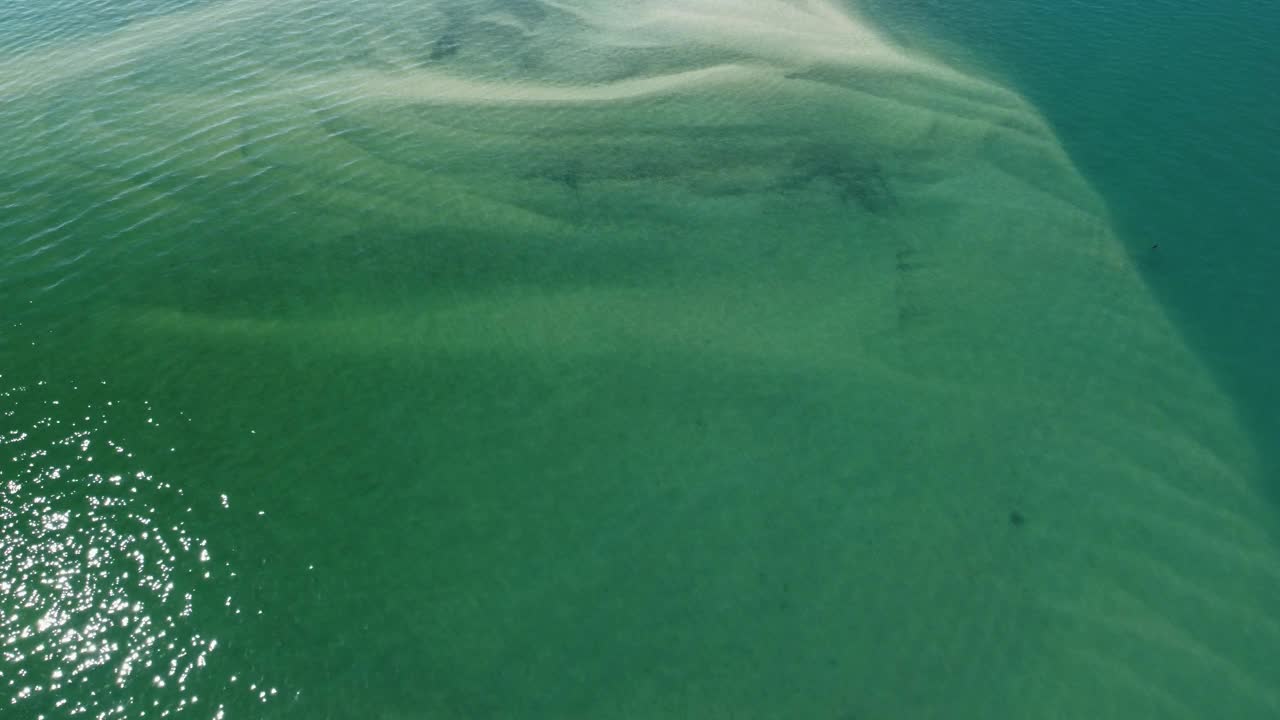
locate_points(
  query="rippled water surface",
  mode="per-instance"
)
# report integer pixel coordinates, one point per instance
(654, 359)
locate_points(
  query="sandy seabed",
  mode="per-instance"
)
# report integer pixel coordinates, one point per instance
(771, 369)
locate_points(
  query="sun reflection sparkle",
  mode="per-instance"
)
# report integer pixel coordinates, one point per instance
(97, 586)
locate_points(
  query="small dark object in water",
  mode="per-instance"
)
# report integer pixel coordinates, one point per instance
(445, 46)
(1016, 518)
(570, 178)
(1156, 246)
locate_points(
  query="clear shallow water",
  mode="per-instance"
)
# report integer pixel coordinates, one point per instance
(589, 360)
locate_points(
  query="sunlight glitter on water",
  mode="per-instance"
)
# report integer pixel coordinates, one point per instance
(99, 583)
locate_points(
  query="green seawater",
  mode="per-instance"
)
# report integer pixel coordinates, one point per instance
(654, 359)
(1167, 108)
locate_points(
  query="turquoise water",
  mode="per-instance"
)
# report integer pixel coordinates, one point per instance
(1165, 107)
(591, 359)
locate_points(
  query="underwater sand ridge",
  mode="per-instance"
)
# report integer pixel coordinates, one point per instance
(897, 319)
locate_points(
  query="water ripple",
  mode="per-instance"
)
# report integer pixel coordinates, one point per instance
(105, 603)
